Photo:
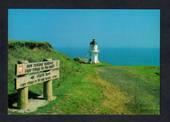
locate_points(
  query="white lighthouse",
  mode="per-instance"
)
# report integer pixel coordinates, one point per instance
(93, 52)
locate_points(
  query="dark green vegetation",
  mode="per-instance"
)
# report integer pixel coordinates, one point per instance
(90, 89)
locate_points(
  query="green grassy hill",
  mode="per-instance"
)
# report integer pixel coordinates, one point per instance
(87, 88)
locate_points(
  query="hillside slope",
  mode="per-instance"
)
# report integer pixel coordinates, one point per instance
(90, 89)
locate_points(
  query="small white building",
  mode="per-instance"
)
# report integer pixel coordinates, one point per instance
(93, 52)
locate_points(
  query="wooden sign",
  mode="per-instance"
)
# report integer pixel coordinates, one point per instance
(36, 72)
(40, 77)
(28, 68)
(33, 73)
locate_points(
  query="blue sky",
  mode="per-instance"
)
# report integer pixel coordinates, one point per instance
(138, 28)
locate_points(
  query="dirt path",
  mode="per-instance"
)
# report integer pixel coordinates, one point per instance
(115, 100)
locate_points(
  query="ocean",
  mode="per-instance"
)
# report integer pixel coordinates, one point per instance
(120, 56)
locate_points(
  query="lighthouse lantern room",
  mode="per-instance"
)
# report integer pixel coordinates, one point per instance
(93, 52)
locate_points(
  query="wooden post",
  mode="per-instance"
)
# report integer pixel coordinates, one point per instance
(47, 88)
(23, 94)
(23, 98)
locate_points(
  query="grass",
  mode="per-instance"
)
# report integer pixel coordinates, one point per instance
(141, 83)
(90, 89)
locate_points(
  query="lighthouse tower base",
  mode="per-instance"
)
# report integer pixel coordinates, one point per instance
(94, 59)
